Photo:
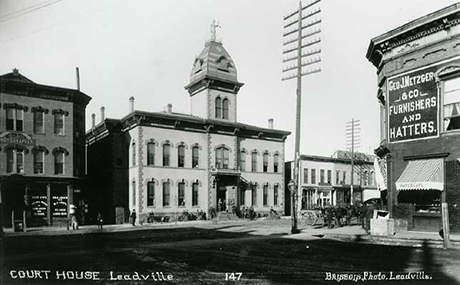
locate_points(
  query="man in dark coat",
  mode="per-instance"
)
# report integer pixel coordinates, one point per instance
(329, 214)
(133, 217)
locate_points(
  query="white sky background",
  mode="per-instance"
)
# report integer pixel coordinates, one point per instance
(146, 49)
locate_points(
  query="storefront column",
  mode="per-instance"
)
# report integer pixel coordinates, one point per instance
(48, 201)
(444, 211)
(390, 189)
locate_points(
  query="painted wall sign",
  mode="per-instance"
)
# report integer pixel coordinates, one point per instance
(59, 206)
(16, 138)
(39, 206)
(413, 106)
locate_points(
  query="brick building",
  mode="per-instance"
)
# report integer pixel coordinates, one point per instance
(327, 180)
(168, 162)
(418, 68)
(42, 149)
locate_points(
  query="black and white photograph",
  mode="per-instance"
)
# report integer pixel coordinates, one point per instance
(229, 142)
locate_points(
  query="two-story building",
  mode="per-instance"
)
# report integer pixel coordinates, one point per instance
(42, 149)
(177, 162)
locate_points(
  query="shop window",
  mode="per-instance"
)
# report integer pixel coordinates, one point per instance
(151, 153)
(181, 194)
(265, 199)
(59, 123)
(181, 156)
(218, 108)
(195, 188)
(313, 176)
(305, 175)
(452, 104)
(275, 195)
(276, 162)
(151, 193)
(59, 162)
(254, 161)
(14, 119)
(195, 156)
(38, 162)
(265, 162)
(166, 194)
(39, 122)
(243, 160)
(166, 154)
(321, 176)
(222, 158)
(225, 109)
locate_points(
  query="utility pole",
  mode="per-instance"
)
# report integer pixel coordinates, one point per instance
(298, 28)
(353, 141)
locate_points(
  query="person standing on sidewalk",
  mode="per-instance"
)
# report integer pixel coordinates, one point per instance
(99, 220)
(133, 217)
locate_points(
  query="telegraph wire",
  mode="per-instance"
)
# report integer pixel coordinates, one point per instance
(28, 10)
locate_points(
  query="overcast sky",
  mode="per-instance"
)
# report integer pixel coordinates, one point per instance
(146, 49)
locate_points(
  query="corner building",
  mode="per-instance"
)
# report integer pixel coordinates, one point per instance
(418, 68)
(177, 162)
(42, 150)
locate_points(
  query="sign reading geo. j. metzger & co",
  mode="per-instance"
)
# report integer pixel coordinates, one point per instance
(413, 106)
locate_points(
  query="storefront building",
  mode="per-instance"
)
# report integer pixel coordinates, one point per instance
(418, 67)
(327, 180)
(42, 150)
(176, 162)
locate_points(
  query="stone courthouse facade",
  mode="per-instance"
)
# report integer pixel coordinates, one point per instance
(168, 162)
(418, 68)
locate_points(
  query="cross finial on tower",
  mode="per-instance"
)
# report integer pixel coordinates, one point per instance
(214, 27)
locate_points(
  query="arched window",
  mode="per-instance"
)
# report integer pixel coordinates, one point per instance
(195, 194)
(151, 153)
(243, 160)
(225, 109)
(254, 161)
(275, 195)
(265, 200)
(218, 108)
(166, 154)
(133, 151)
(181, 194)
(150, 193)
(222, 158)
(276, 158)
(59, 162)
(181, 156)
(195, 156)
(265, 162)
(166, 194)
(366, 178)
(254, 194)
(38, 161)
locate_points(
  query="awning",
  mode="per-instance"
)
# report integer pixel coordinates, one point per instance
(424, 174)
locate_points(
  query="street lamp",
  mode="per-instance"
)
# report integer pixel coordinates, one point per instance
(293, 188)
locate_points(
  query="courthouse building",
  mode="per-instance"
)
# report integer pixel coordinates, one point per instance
(418, 69)
(42, 149)
(168, 162)
(327, 180)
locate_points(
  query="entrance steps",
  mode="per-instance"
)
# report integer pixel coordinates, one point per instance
(224, 216)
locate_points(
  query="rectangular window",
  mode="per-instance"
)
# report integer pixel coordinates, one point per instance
(19, 161)
(337, 177)
(134, 193)
(195, 194)
(10, 114)
(452, 104)
(226, 158)
(39, 122)
(305, 175)
(254, 162)
(166, 194)
(219, 155)
(321, 176)
(14, 119)
(275, 195)
(275, 163)
(59, 163)
(243, 162)
(242, 196)
(38, 162)
(59, 124)
(265, 161)
(329, 176)
(181, 194)
(313, 176)
(265, 195)
(344, 178)
(195, 157)
(166, 154)
(19, 120)
(181, 156)
(150, 154)
(150, 193)
(10, 161)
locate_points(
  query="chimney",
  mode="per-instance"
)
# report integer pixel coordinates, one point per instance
(93, 116)
(169, 108)
(78, 78)
(102, 114)
(270, 123)
(131, 104)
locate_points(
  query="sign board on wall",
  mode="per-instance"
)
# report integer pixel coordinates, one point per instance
(413, 105)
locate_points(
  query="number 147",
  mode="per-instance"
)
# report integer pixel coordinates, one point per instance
(233, 276)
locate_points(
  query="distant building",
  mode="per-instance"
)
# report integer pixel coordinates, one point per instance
(168, 162)
(327, 180)
(418, 68)
(42, 149)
